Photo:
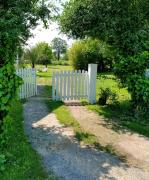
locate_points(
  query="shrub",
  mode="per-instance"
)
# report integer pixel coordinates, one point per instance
(106, 95)
(44, 53)
(90, 51)
(131, 72)
(2, 162)
(9, 82)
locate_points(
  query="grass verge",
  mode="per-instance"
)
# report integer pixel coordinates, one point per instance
(20, 162)
(64, 116)
(120, 116)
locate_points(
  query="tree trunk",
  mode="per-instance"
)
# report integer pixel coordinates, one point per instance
(58, 55)
(33, 65)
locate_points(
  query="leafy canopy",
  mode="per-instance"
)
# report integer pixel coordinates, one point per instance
(88, 51)
(121, 23)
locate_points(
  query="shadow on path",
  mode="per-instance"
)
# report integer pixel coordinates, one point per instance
(63, 155)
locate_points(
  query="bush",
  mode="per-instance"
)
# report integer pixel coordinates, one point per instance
(106, 95)
(90, 51)
(2, 162)
(131, 72)
(9, 83)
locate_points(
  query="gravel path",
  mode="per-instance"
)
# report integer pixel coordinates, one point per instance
(63, 155)
(134, 146)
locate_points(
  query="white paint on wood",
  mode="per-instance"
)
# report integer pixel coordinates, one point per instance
(92, 72)
(29, 86)
(147, 73)
(72, 85)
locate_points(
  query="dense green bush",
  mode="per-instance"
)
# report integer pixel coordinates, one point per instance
(8, 85)
(131, 72)
(105, 95)
(44, 52)
(90, 51)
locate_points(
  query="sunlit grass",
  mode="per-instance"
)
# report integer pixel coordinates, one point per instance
(45, 78)
(22, 162)
(120, 114)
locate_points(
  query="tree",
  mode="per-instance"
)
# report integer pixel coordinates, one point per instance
(31, 56)
(59, 46)
(123, 24)
(88, 51)
(17, 17)
(45, 54)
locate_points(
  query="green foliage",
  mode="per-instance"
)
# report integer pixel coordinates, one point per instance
(9, 82)
(31, 56)
(2, 162)
(90, 51)
(106, 95)
(17, 158)
(131, 72)
(17, 17)
(59, 46)
(41, 53)
(121, 23)
(124, 24)
(44, 53)
(120, 115)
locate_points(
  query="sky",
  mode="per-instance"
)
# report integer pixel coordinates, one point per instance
(47, 35)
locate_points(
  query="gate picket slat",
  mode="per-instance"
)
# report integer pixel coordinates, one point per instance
(29, 87)
(57, 86)
(83, 83)
(79, 84)
(53, 87)
(70, 85)
(60, 90)
(64, 80)
(76, 85)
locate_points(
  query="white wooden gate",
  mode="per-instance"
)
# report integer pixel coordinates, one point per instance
(75, 85)
(29, 87)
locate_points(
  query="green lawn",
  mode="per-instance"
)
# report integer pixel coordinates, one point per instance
(45, 78)
(21, 162)
(120, 115)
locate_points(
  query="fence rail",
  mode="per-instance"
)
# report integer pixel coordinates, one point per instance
(29, 87)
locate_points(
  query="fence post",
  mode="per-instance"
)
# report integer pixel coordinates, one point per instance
(92, 73)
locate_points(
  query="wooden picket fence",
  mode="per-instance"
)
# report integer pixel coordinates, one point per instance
(70, 85)
(29, 87)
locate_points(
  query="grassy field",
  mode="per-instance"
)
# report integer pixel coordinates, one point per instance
(119, 114)
(20, 162)
(45, 78)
